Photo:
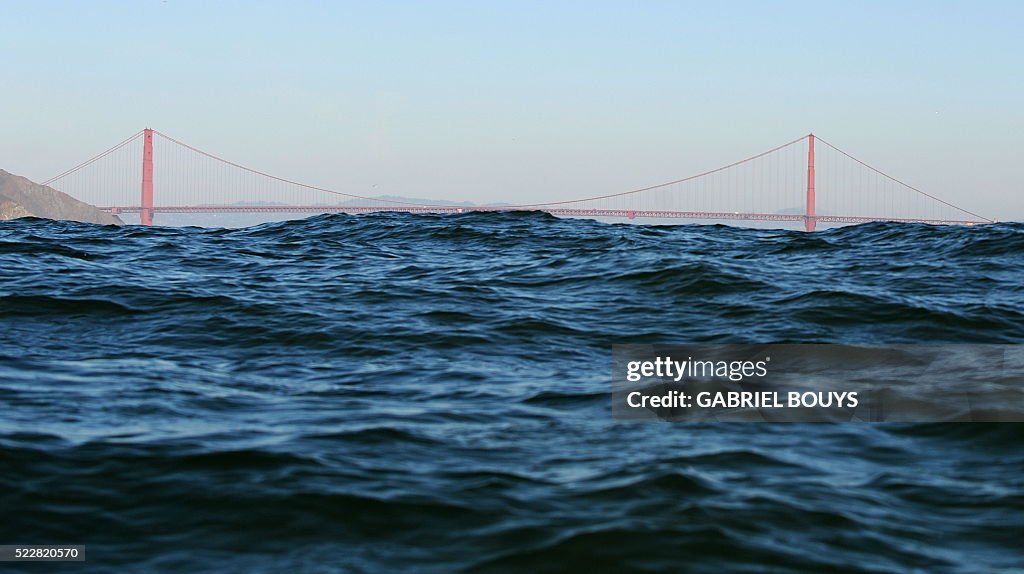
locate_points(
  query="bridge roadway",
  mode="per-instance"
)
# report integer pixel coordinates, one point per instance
(560, 211)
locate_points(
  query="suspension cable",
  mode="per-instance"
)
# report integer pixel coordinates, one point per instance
(94, 159)
(906, 185)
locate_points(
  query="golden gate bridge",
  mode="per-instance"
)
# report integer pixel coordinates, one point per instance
(791, 182)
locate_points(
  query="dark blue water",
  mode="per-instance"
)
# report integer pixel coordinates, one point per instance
(431, 393)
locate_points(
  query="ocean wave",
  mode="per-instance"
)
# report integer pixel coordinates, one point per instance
(430, 392)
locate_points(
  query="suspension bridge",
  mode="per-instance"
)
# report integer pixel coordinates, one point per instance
(793, 182)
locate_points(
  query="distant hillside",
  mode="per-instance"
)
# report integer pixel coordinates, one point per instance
(20, 197)
(420, 201)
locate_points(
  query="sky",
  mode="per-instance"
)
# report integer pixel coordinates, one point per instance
(523, 100)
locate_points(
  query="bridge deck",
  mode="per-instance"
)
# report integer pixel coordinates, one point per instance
(564, 212)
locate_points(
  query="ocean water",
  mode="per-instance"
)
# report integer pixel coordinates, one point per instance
(396, 392)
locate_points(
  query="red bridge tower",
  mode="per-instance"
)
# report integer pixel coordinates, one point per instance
(146, 214)
(809, 219)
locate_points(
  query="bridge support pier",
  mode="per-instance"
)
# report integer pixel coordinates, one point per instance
(810, 220)
(146, 213)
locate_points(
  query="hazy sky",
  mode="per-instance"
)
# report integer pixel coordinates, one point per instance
(521, 100)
